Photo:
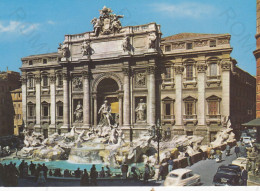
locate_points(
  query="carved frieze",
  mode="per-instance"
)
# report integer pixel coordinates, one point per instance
(140, 79)
(77, 83)
(223, 41)
(52, 59)
(200, 43)
(37, 61)
(178, 45)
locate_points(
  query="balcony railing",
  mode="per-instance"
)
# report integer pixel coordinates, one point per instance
(213, 80)
(31, 118)
(213, 119)
(168, 119)
(190, 81)
(45, 118)
(190, 119)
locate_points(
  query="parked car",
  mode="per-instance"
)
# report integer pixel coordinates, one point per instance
(228, 175)
(182, 177)
(246, 139)
(240, 161)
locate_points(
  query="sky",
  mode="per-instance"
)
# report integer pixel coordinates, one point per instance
(29, 27)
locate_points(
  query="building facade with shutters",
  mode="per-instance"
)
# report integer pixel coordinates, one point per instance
(184, 81)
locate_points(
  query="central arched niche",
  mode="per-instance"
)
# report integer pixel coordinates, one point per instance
(107, 89)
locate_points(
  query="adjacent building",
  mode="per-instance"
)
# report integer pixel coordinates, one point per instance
(186, 81)
(9, 81)
(203, 90)
(17, 105)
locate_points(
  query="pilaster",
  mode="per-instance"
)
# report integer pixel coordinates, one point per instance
(24, 100)
(178, 92)
(37, 79)
(126, 107)
(65, 126)
(151, 94)
(53, 102)
(226, 67)
(86, 100)
(201, 68)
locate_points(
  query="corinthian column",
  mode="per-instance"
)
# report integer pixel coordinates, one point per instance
(151, 96)
(24, 100)
(53, 104)
(126, 108)
(178, 103)
(38, 101)
(86, 101)
(65, 125)
(201, 68)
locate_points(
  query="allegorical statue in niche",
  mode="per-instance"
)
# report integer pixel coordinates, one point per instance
(105, 112)
(78, 112)
(65, 50)
(140, 111)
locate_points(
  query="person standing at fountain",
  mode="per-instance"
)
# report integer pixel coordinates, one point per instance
(108, 171)
(84, 179)
(93, 175)
(21, 167)
(124, 169)
(45, 171)
(146, 173)
(77, 173)
(170, 164)
(105, 112)
(102, 173)
(32, 168)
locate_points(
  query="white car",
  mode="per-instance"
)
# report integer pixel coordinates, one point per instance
(182, 177)
(246, 140)
(240, 161)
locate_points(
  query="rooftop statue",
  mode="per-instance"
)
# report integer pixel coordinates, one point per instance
(107, 23)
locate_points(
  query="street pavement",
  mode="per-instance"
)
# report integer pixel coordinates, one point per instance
(208, 168)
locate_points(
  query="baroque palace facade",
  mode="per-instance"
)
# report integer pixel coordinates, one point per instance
(183, 80)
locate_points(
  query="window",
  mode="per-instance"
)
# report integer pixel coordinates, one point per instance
(213, 105)
(44, 61)
(189, 46)
(31, 110)
(45, 81)
(213, 109)
(167, 109)
(60, 110)
(212, 43)
(213, 69)
(189, 108)
(189, 72)
(168, 73)
(59, 80)
(45, 110)
(30, 62)
(30, 82)
(18, 105)
(168, 48)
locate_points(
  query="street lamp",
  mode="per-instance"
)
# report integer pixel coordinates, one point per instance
(158, 138)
